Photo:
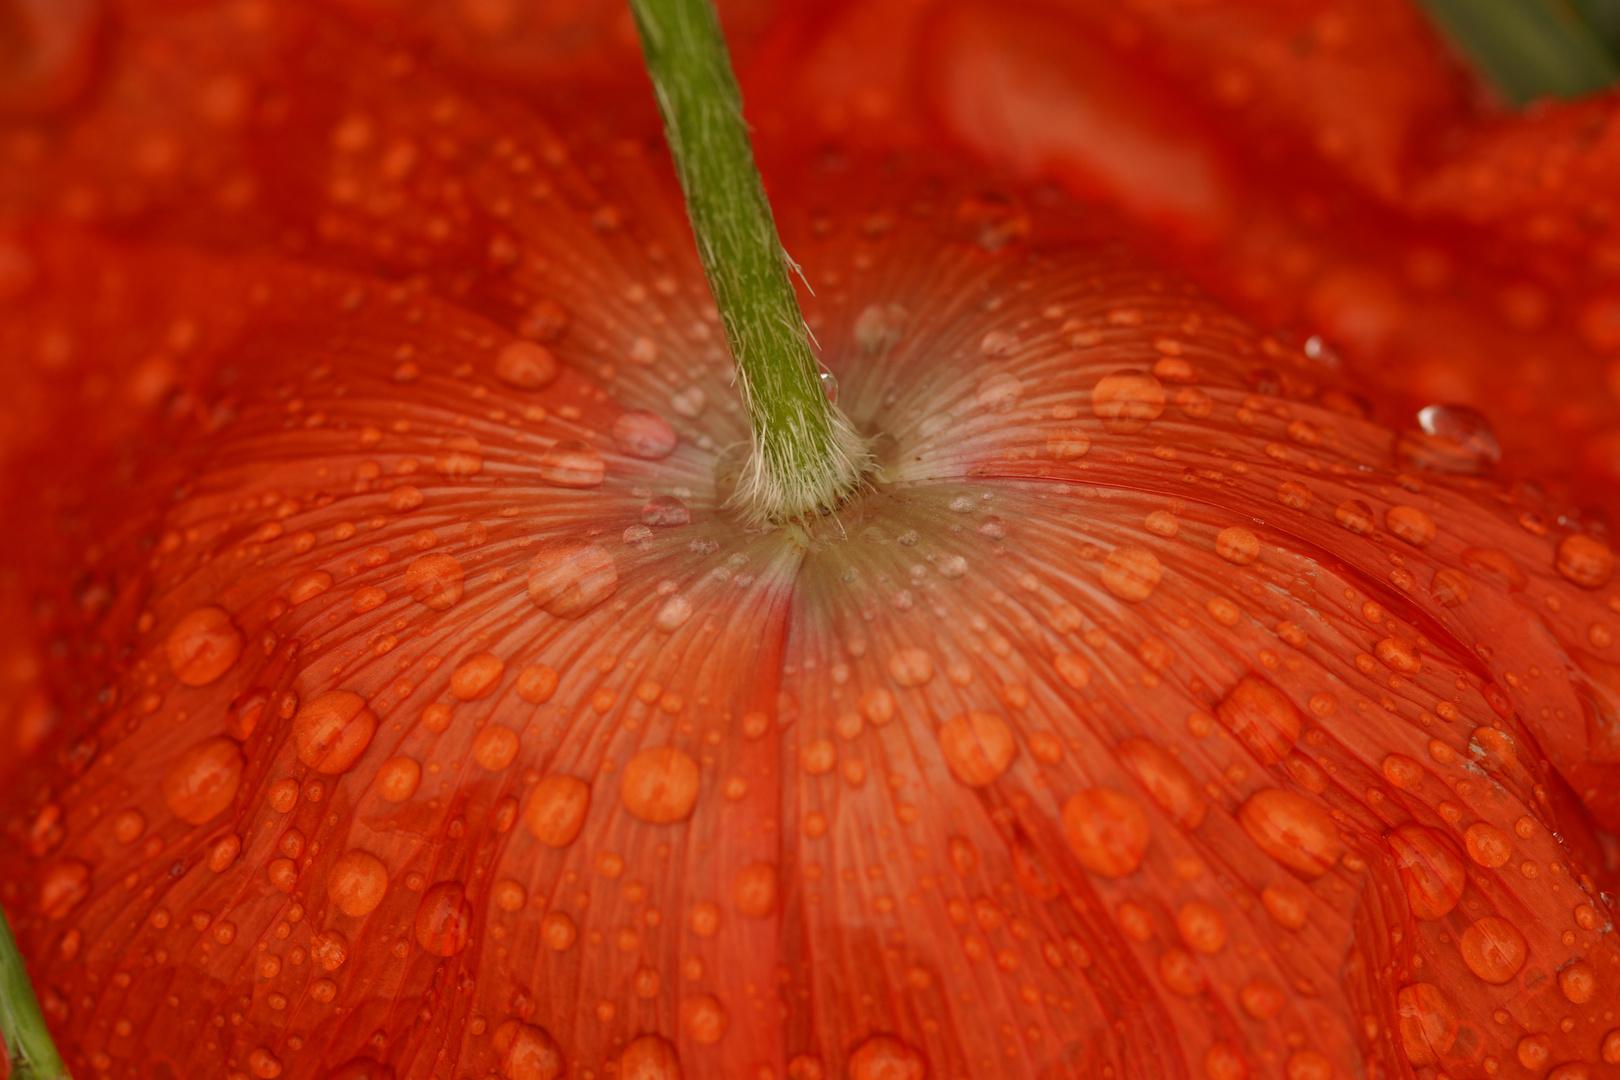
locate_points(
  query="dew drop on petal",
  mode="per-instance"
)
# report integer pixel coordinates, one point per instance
(1127, 401)
(1450, 438)
(1487, 845)
(398, 778)
(332, 730)
(1201, 927)
(660, 785)
(1428, 1023)
(571, 464)
(524, 365)
(1165, 779)
(1434, 876)
(536, 683)
(1262, 717)
(435, 581)
(1355, 515)
(459, 457)
(884, 1057)
(911, 667)
(1578, 981)
(570, 577)
(704, 1019)
(477, 676)
(1131, 573)
(645, 435)
(754, 890)
(495, 747)
(444, 919)
(1493, 949)
(203, 781)
(978, 747)
(1237, 545)
(1291, 829)
(663, 511)
(203, 645)
(555, 810)
(671, 614)
(357, 883)
(1108, 831)
(1286, 903)
(649, 1057)
(1410, 524)
(1223, 1062)
(1585, 560)
(527, 1052)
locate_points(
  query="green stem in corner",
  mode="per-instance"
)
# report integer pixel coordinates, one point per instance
(806, 457)
(33, 1054)
(1534, 48)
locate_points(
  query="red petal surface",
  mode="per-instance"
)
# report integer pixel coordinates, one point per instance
(393, 692)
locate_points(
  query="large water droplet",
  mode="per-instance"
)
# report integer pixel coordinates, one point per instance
(1450, 438)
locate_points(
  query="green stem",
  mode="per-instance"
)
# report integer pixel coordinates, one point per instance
(806, 457)
(1531, 48)
(33, 1054)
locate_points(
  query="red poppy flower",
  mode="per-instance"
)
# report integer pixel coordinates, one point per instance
(394, 695)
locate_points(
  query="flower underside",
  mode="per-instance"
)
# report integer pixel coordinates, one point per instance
(1155, 710)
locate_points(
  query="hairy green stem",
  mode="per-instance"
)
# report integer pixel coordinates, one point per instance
(33, 1054)
(806, 457)
(1534, 48)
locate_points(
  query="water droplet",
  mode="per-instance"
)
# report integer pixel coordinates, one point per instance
(753, 890)
(333, 730)
(1131, 573)
(879, 328)
(665, 510)
(1428, 1023)
(884, 1057)
(435, 581)
(570, 577)
(495, 747)
(544, 321)
(329, 949)
(1291, 829)
(203, 645)
(1410, 524)
(672, 614)
(536, 683)
(1127, 401)
(978, 747)
(1262, 717)
(202, 782)
(704, 1018)
(1585, 560)
(398, 778)
(1578, 981)
(357, 883)
(571, 464)
(649, 1057)
(1165, 779)
(459, 457)
(1452, 439)
(1108, 831)
(1201, 927)
(1223, 1061)
(1262, 999)
(1237, 545)
(527, 1052)
(1493, 949)
(555, 810)
(1433, 874)
(444, 919)
(829, 385)
(644, 435)
(523, 365)
(660, 785)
